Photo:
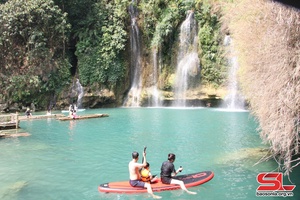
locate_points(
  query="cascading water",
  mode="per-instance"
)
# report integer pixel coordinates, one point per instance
(80, 93)
(188, 64)
(232, 101)
(155, 96)
(133, 97)
(77, 93)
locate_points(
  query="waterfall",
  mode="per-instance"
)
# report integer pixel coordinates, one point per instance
(80, 93)
(187, 60)
(133, 97)
(233, 100)
(155, 96)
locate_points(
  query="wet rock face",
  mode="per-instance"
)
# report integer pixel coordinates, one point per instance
(94, 99)
(99, 101)
(3, 107)
(12, 108)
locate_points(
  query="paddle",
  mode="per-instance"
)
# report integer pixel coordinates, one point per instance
(153, 176)
(143, 158)
(144, 152)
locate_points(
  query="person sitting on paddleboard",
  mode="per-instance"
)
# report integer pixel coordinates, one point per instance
(168, 172)
(147, 176)
(134, 175)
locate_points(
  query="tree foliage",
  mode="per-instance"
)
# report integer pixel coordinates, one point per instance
(160, 25)
(159, 20)
(102, 40)
(32, 37)
(35, 33)
(150, 13)
(210, 45)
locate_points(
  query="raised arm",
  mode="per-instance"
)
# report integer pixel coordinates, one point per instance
(144, 158)
(144, 161)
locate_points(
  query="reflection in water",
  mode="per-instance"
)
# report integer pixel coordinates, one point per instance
(72, 125)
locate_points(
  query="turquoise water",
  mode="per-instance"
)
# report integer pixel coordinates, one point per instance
(69, 159)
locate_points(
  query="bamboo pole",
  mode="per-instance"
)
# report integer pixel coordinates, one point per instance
(17, 120)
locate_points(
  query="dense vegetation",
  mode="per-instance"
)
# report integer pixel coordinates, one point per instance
(212, 58)
(32, 53)
(101, 40)
(160, 25)
(40, 49)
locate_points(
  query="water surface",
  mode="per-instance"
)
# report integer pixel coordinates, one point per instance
(69, 159)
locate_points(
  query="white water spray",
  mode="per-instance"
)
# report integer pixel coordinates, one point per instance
(80, 93)
(153, 93)
(234, 100)
(187, 61)
(134, 94)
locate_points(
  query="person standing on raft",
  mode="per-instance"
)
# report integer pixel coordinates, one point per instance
(28, 113)
(168, 172)
(134, 175)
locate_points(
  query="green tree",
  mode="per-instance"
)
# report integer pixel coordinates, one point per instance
(32, 40)
(211, 55)
(102, 39)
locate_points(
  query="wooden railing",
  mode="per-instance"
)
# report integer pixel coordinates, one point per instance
(9, 120)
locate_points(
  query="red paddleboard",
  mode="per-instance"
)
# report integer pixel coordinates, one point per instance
(190, 180)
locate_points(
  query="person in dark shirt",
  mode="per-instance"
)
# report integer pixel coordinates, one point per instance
(168, 173)
(28, 113)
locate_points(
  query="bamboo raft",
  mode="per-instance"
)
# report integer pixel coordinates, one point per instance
(12, 121)
(68, 118)
(12, 135)
(41, 116)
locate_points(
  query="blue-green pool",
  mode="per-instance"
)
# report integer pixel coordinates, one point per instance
(69, 159)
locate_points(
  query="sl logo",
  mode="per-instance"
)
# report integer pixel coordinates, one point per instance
(272, 181)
